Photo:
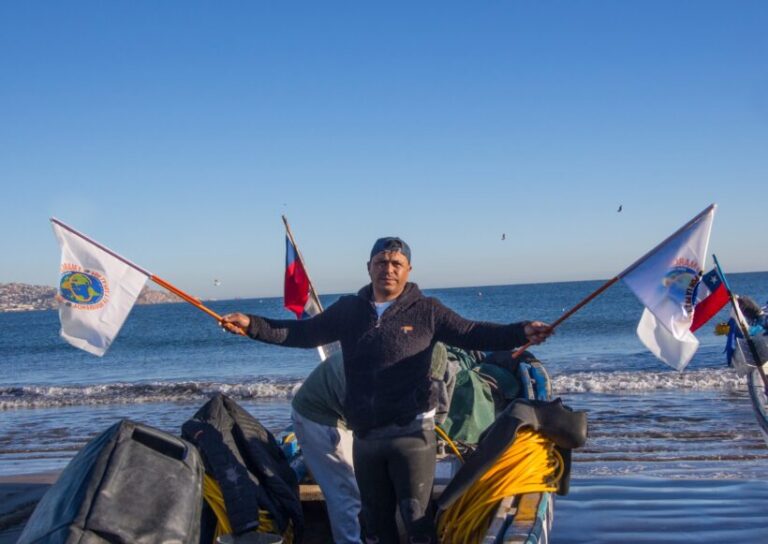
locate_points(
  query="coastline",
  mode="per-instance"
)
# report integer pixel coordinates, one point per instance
(23, 297)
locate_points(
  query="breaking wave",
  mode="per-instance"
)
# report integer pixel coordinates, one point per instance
(265, 389)
(609, 382)
(130, 393)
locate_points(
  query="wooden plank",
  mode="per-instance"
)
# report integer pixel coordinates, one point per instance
(499, 519)
(310, 493)
(524, 520)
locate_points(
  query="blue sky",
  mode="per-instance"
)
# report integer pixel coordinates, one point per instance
(177, 133)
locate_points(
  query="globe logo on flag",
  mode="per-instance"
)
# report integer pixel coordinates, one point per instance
(680, 282)
(81, 288)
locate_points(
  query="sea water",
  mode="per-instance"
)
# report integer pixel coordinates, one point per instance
(693, 431)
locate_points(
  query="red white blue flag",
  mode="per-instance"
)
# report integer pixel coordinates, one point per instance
(711, 295)
(299, 295)
(296, 288)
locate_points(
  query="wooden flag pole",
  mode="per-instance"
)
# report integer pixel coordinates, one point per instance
(184, 296)
(743, 326)
(570, 312)
(312, 291)
(626, 271)
(159, 281)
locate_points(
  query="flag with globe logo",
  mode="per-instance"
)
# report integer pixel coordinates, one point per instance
(665, 281)
(96, 291)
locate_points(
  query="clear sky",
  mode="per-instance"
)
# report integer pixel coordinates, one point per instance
(177, 133)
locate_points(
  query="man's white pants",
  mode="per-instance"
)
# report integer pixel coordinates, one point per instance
(328, 455)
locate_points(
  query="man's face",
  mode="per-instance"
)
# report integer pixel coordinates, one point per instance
(389, 273)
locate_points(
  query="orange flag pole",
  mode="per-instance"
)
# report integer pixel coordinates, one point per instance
(161, 282)
(196, 303)
(570, 312)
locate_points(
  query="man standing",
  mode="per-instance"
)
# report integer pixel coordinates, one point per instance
(318, 421)
(387, 332)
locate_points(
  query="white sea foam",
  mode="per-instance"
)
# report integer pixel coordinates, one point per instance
(123, 393)
(607, 382)
(131, 393)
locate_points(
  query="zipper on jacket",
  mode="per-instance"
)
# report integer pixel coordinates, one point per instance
(376, 312)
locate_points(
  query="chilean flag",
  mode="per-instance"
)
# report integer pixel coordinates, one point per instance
(712, 296)
(296, 289)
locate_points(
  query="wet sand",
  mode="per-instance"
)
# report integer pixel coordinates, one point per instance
(637, 510)
(18, 497)
(630, 510)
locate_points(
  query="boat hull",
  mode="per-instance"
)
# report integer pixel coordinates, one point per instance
(759, 400)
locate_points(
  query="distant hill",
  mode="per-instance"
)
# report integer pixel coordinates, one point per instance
(20, 297)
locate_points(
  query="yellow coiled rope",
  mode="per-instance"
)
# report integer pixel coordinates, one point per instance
(531, 464)
(448, 440)
(215, 499)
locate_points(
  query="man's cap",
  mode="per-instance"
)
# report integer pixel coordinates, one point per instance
(391, 243)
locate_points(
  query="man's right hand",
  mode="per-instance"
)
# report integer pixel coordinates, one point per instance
(235, 323)
(537, 332)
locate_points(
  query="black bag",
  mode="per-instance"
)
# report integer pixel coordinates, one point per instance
(132, 484)
(248, 464)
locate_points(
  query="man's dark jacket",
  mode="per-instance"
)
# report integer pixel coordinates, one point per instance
(387, 359)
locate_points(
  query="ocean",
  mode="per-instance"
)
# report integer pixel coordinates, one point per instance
(686, 444)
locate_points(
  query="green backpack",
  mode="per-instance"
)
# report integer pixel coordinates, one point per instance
(473, 407)
(471, 410)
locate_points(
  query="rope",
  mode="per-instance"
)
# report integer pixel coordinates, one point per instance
(531, 464)
(450, 443)
(215, 499)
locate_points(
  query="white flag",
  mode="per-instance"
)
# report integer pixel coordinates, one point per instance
(96, 292)
(676, 352)
(664, 281)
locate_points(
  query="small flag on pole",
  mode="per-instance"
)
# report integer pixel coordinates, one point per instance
(711, 296)
(665, 280)
(296, 287)
(96, 292)
(300, 295)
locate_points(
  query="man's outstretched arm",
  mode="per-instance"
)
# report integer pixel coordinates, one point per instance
(305, 333)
